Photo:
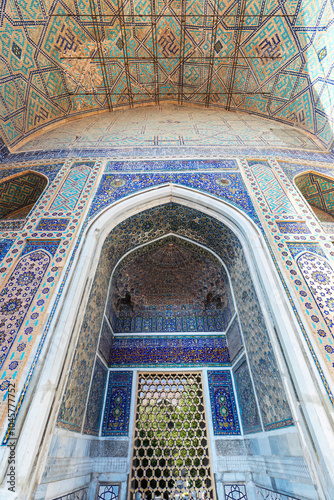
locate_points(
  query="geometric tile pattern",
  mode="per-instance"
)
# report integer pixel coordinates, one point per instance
(52, 225)
(4, 247)
(11, 225)
(296, 248)
(50, 246)
(211, 233)
(317, 190)
(172, 288)
(19, 192)
(71, 190)
(246, 399)
(182, 351)
(223, 406)
(286, 227)
(235, 492)
(319, 277)
(108, 492)
(117, 410)
(15, 301)
(275, 197)
(161, 52)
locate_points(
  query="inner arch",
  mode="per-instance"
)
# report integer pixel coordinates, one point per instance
(170, 285)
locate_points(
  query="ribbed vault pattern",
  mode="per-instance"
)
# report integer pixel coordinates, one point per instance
(268, 57)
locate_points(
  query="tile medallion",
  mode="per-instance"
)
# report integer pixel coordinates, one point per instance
(223, 405)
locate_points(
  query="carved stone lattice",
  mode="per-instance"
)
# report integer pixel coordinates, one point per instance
(170, 452)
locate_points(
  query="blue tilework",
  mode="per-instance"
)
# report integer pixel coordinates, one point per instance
(15, 300)
(50, 245)
(69, 194)
(49, 170)
(117, 410)
(12, 225)
(180, 351)
(286, 227)
(170, 165)
(247, 403)
(223, 406)
(297, 248)
(4, 247)
(194, 321)
(228, 186)
(52, 224)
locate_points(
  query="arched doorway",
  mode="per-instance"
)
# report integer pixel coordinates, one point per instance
(209, 227)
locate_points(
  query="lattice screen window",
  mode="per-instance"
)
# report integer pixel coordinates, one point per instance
(170, 453)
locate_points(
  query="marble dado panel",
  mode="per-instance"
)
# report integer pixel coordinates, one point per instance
(56, 242)
(200, 228)
(284, 247)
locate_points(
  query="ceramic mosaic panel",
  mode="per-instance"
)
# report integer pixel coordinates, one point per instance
(209, 232)
(279, 246)
(11, 225)
(235, 492)
(15, 300)
(228, 186)
(50, 245)
(117, 409)
(4, 247)
(319, 277)
(298, 247)
(317, 190)
(47, 66)
(246, 399)
(20, 191)
(169, 351)
(168, 287)
(50, 170)
(95, 400)
(170, 165)
(52, 225)
(275, 196)
(223, 406)
(286, 227)
(67, 197)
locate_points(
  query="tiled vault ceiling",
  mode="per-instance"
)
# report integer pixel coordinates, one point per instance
(59, 59)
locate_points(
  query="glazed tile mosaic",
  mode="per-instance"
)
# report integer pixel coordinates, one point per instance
(52, 225)
(214, 235)
(223, 405)
(169, 351)
(170, 165)
(296, 248)
(168, 287)
(68, 196)
(317, 190)
(95, 400)
(117, 410)
(247, 403)
(234, 339)
(4, 247)
(20, 191)
(279, 246)
(286, 227)
(228, 186)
